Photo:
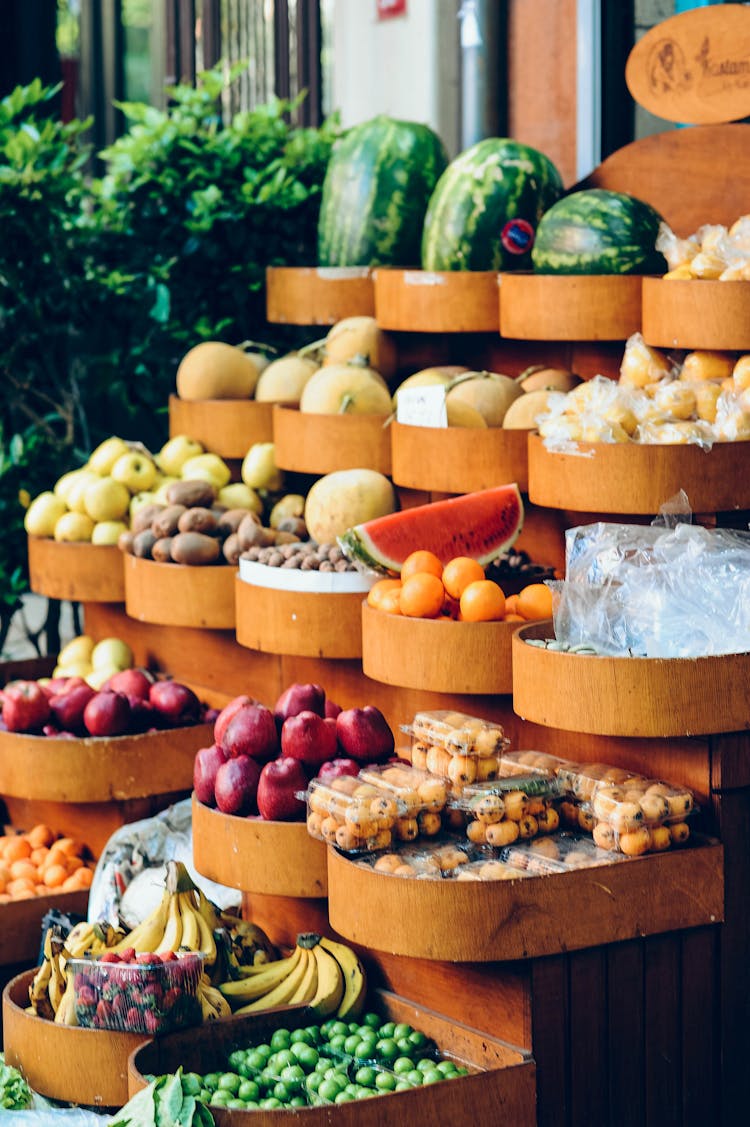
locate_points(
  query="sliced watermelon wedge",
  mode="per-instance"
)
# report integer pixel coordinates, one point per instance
(481, 525)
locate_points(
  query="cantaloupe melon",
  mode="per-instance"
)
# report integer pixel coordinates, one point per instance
(344, 498)
(284, 379)
(489, 393)
(214, 370)
(345, 389)
(361, 337)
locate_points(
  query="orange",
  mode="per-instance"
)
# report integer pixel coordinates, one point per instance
(22, 888)
(511, 605)
(381, 588)
(71, 846)
(17, 849)
(535, 601)
(482, 601)
(513, 618)
(40, 835)
(54, 875)
(421, 562)
(23, 869)
(391, 601)
(83, 877)
(422, 596)
(38, 855)
(459, 573)
(55, 857)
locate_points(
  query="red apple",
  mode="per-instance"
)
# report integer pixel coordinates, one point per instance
(57, 685)
(226, 714)
(107, 714)
(336, 767)
(364, 734)
(299, 698)
(144, 717)
(251, 731)
(177, 703)
(25, 706)
(309, 738)
(236, 785)
(207, 762)
(68, 706)
(280, 783)
(134, 683)
(332, 709)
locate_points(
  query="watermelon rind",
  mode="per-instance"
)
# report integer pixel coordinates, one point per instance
(597, 231)
(487, 185)
(482, 525)
(379, 180)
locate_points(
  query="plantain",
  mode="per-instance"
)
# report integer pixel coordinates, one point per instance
(255, 986)
(330, 992)
(355, 979)
(282, 994)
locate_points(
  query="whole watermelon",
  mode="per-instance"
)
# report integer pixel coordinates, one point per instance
(486, 206)
(596, 231)
(379, 179)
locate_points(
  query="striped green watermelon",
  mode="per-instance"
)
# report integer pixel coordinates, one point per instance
(486, 206)
(596, 231)
(375, 192)
(481, 525)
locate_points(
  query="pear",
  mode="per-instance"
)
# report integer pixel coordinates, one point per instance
(77, 649)
(111, 653)
(259, 470)
(75, 490)
(237, 495)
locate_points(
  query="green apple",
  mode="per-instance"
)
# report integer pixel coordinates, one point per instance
(72, 669)
(77, 649)
(240, 496)
(106, 454)
(207, 467)
(138, 500)
(135, 470)
(160, 494)
(97, 678)
(43, 514)
(106, 499)
(74, 527)
(173, 454)
(111, 652)
(259, 470)
(74, 494)
(108, 531)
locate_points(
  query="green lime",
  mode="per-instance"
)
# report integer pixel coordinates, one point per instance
(447, 1067)
(248, 1090)
(235, 1059)
(404, 1045)
(256, 1060)
(298, 1101)
(247, 1072)
(403, 1030)
(301, 1036)
(191, 1083)
(365, 1093)
(313, 1082)
(281, 1039)
(271, 1102)
(331, 1087)
(337, 1041)
(351, 1043)
(220, 1099)
(365, 1050)
(235, 1104)
(282, 1091)
(403, 1086)
(211, 1081)
(462, 1071)
(385, 1082)
(352, 1088)
(431, 1076)
(387, 1049)
(365, 1076)
(417, 1038)
(402, 1065)
(264, 1050)
(425, 1064)
(230, 1082)
(414, 1077)
(281, 1060)
(372, 1020)
(353, 1026)
(306, 1054)
(251, 1105)
(292, 1074)
(343, 1098)
(388, 1029)
(337, 1028)
(334, 1073)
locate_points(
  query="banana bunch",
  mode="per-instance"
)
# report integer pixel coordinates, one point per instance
(91, 940)
(49, 984)
(324, 975)
(183, 918)
(212, 1001)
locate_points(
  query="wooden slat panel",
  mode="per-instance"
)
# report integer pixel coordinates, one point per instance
(550, 1040)
(662, 1032)
(588, 1036)
(625, 1024)
(699, 991)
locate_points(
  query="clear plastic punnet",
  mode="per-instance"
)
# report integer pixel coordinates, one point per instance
(532, 763)
(640, 815)
(423, 796)
(559, 854)
(429, 860)
(502, 811)
(455, 746)
(356, 816)
(150, 996)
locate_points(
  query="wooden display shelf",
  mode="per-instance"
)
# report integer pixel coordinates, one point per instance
(64, 1062)
(427, 301)
(179, 595)
(320, 444)
(696, 313)
(308, 624)
(501, 1084)
(629, 696)
(318, 295)
(471, 921)
(99, 769)
(227, 427)
(437, 655)
(79, 572)
(576, 307)
(458, 459)
(635, 478)
(255, 856)
(21, 923)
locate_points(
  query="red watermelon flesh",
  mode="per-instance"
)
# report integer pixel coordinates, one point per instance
(481, 525)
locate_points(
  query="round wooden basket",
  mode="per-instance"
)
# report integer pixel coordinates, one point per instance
(255, 856)
(425, 301)
(303, 623)
(101, 768)
(630, 477)
(320, 444)
(227, 427)
(21, 923)
(87, 573)
(696, 313)
(458, 459)
(437, 655)
(569, 306)
(629, 696)
(318, 295)
(177, 595)
(63, 1062)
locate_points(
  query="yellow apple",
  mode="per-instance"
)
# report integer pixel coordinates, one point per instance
(207, 467)
(43, 514)
(77, 649)
(259, 470)
(108, 531)
(173, 454)
(72, 669)
(106, 454)
(63, 484)
(111, 652)
(135, 470)
(97, 678)
(160, 494)
(138, 500)
(74, 527)
(74, 495)
(240, 496)
(106, 499)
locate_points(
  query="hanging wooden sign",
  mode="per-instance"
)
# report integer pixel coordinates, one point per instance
(695, 67)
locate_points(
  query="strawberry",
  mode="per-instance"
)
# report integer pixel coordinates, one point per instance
(86, 996)
(103, 1014)
(133, 1021)
(146, 960)
(128, 955)
(152, 1021)
(110, 957)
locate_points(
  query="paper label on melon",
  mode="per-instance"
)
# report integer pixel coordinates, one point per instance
(482, 525)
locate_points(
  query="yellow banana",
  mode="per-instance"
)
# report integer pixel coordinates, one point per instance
(191, 935)
(281, 994)
(213, 1003)
(355, 980)
(307, 988)
(208, 911)
(330, 992)
(57, 982)
(80, 939)
(148, 934)
(172, 937)
(253, 986)
(206, 941)
(39, 991)
(66, 1011)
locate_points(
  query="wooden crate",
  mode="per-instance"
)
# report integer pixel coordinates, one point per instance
(419, 301)
(575, 307)
(78, 572)
(318, 295)
(320, 444)
(178, 595)
(227, 427)
(458, 459)
(21, 923)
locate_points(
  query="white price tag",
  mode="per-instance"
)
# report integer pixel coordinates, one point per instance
(422, 406)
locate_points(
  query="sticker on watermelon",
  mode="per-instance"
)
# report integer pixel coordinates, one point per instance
(482, 525)
(517, 236)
